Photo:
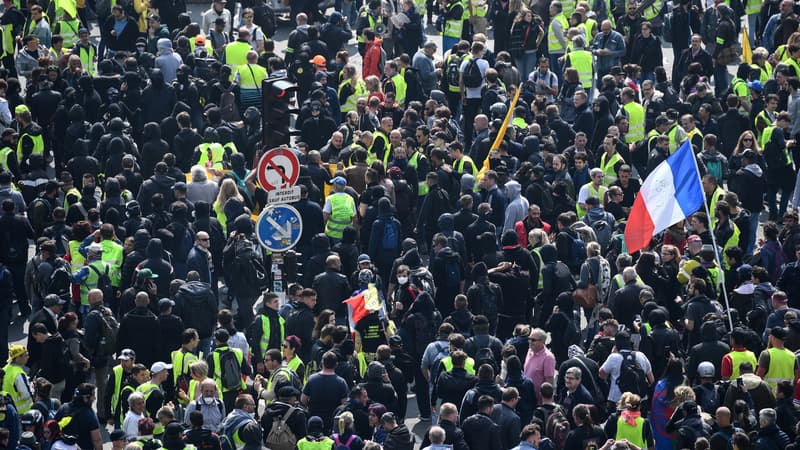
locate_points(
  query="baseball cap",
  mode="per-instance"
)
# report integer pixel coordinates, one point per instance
(9, 132)
(339, 180)
(363, 258)
(53, 300)
(617, 70)
(756, 86)
(179, 186)
(126, 354)
(165, 303)
(21, 109)
(318, 60)
(160, 367)
(778, 332)
(146, 273)
(15, 351)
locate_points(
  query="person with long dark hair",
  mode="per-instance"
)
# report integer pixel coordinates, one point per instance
(662, 406)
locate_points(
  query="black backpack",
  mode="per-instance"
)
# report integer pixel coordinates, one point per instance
(489, 306)
(631, 375)
(103, 281)
(453, 70)
(230, 370)
(473, 78)
(485, 355)
(59, 282)
(248, 272)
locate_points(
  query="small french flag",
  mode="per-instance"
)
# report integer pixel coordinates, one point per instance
(668, 195)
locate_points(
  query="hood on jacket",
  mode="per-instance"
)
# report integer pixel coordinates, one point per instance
(755, 169)
(321, 243)
(179, 108)
(151, 131)
(596, 214)
(113, 189)
(549, 253)
(604, 109)
(164, 46)
(424, 304)
(141, 240)
(412, 259)
(513, 190)
(486, 243)
(751, 380)
(76, 114)
(385, 207)
(157, 78)
(154, 249)
(446, 223)
(709, 331)
(116, 146)
(244, 224)
(350, 234)
(467, 182)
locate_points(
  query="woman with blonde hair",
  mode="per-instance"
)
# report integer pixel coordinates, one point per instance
(627, 422)
(373, 85)
(227, 191)
(747, 140)
(346, 436)
(351, 88)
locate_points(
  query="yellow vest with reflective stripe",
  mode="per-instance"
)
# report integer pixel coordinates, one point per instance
(400, 88)
(590, 25)
(325, 444)
(93, 279)
(599, 193)
(737, 358)
(342, 212)
(753, 7)
(112, 254)
(553, 44)
(454, 27)
(147, 390)
(8, 39)
(118, 374)
(636, 114)
(181, 360)
(607, 166)
(479, 7)
(469, 364)
(351, 101)
(68, 29)
(251, 76)
(75, 256)
(766, 136)
(22, 402)
(217, 155)
(568, 7)
(781, 367)
(422, 185)
(673, 139)
(266, 333)
(295, 364)
(653, 10)
(581, 60)
(217, 375)
(372, 22)
(236, 53)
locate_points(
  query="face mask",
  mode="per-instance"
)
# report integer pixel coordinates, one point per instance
(402, 280)
(208, 400)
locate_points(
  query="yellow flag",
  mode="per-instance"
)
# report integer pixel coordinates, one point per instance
(500, 134)
(747, 52)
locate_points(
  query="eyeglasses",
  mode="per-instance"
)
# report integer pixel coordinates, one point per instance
(747, 140)
(204, 239)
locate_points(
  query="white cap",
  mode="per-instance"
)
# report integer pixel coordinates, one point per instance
(159, 367)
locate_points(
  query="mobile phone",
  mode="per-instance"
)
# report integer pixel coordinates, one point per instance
(739, 382)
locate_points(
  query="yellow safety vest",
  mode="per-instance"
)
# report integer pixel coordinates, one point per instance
(653, 10)
(599, 193)
(673, 139)
(5, 152)
(422, 185)
(218, 367)
(68, 29)
(147, 390)
(568, 7)
(207, 45)
(469, 364)
(351, 101)
(519, 122)
(590, 25)
(581, 60)
(781, 367)
(219, 210)
(112, 255)
(737, 358)
(553, 44)
(458, 165)
(481, 8)
(181, 360)
(93, 279)
(87, 56)
(38, 145)
(732, 241)
(372, 23)
(766, 136)
(325, 443)
(633, 433)
(217, 153)
(607, 166)
(753, 7)
(342, 212)
(266, 333)
(251, 76)
(295, 364)
(636, 115)
(236, 53)
(75, 256)
(371, 156)
(765, 73)
(400, 88)
(454, 27)
(22, 402)
(8, 40)
(118, 374)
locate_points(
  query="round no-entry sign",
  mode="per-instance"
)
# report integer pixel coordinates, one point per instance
(278, 169)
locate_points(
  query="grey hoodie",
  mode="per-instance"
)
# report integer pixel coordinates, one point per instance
(517, 207)
(167, 60)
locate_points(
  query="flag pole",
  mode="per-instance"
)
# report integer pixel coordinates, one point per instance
(714, 242)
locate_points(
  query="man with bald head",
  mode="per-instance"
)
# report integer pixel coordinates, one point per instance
(609, 47)
(235, 53)
(333, 288)
(199, 258)
(140, 332)
(722, 438)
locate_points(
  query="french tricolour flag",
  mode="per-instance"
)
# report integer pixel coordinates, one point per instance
(668, 195)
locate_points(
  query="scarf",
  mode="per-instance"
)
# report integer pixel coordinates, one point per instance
(630, 417)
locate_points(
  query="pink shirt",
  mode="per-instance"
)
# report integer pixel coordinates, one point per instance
(539, 366)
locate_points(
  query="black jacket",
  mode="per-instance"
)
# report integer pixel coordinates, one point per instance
(301, 324)
(453, 385)
(296, 422)
(332, 288)
(158, 265)
(399, 438)
(481, 432)
(453, 436)
(255, 331)
(14, 234)
(510, 425)
(157, 184)
(139, 330)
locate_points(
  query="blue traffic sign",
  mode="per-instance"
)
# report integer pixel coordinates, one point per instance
(279, 227)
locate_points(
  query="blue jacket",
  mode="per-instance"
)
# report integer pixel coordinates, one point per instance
(613, 42)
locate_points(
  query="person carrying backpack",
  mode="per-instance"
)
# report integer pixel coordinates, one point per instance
(226, 365)
(346, 438)
(601, 221)
(284, 421)
(239, 427)
(245, 267)
(93, 275)
(627, 371)
(385, 238)
(473, 71)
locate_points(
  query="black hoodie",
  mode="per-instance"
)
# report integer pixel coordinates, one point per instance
(156, 263)
(157, 99)
(602, 121)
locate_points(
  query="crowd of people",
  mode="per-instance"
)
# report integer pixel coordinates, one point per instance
(463, 216)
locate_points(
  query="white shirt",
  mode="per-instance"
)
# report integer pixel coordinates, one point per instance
(612, 368)
(482, 65)
(131, 424)
(210, 16)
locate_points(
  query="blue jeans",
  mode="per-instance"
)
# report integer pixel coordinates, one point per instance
(555, 67)
(751, 238)
(720, 79)
(526, 63)
(204, 346)
(751, 29)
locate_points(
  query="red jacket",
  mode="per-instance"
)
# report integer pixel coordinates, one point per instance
(372, 59)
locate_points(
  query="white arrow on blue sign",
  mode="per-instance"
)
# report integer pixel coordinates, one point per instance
(279, 227)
